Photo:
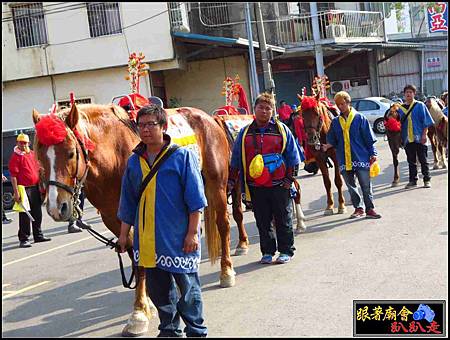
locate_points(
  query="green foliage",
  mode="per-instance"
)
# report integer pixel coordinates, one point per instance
(174, 102)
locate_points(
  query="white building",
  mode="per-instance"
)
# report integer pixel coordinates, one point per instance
(50, 49)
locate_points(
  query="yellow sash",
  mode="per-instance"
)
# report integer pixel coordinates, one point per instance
(345, 125)
(147, 205)
(244, 164)
(410, 123)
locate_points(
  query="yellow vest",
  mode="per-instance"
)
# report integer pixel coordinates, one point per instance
(345, 125)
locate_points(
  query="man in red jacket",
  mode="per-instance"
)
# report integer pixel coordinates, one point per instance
(24, 170)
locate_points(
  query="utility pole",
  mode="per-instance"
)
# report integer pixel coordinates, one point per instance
(254, 86)
(269, 84)
(316, 37)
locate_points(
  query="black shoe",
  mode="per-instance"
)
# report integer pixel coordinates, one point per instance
(6, 220)
(42, 239)
(25, 244)
(411, 185)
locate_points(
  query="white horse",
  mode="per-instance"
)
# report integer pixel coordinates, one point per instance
(438, 134)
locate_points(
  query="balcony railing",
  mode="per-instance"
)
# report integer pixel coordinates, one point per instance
(336, 26)
(287, 31)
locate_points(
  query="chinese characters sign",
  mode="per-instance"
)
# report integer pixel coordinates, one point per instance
(371, 318)
(438, 17)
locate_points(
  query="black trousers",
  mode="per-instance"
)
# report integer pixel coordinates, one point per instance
(34, 197)
(416, 151)
(273, 203)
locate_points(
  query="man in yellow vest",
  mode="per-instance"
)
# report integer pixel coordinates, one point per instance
(415, 119)
(352, 136)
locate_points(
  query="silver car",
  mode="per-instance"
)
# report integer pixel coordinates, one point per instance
(373, 108)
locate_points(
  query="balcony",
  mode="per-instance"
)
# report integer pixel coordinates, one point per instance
(288, 31)
(334, 27)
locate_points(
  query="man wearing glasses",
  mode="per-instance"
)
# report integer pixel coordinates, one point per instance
(24, 170)
(165, 213)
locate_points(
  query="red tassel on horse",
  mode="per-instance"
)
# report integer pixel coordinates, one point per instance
(51, 130)
(308, 103)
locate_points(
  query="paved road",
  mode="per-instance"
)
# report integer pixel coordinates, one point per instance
(71, 286)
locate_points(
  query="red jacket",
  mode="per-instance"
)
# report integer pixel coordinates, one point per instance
(25, 168)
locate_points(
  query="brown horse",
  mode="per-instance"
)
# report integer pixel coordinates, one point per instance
(106, 126)
(317, 122)
(438, 134)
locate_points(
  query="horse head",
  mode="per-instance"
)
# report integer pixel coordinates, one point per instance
(61, 148)
(314, 115)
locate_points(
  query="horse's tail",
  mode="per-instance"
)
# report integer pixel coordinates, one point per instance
(212, 236)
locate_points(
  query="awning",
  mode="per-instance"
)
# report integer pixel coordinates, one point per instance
(387, 45)
(220, 41)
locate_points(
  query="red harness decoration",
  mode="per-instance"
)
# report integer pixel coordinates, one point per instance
(392, 124)
(51, 130)
(308, 103)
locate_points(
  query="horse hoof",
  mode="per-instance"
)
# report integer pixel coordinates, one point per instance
(395, 184)
(137, 325)
(435, 167)
(300, 230)
(328, 212)
(241, 251)
(342, 210)
(227, 281)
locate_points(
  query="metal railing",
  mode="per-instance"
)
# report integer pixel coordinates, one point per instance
(335, 24)
(29, 25)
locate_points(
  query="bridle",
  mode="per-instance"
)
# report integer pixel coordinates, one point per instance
(76, 190)
(315, 138)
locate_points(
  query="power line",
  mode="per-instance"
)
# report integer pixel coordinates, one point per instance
(39, 12)
(116, 31)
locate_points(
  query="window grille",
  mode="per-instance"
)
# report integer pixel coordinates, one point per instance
(66, 103)
(29, 25)
(104, 18)
(214, 13)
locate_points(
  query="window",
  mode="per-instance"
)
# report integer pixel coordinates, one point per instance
(366, 105)
(29, 25)
(104, 18)
(66, 103)
(214, 13)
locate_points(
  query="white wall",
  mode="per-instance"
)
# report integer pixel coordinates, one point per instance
(152, 37)
(20, 97)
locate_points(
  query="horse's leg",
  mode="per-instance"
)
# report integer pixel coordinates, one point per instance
(327, 183)
(143, 309)
(339, 184)
(301, 226)
(227, 276)
(216, 220)
(431, 135)
(394, 141)
(242, 247)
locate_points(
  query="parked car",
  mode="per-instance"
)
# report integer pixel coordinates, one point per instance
(373, 108)
(7, 192)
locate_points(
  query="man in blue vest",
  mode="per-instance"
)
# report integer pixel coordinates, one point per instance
(166, 220)
(265, 154)
(415, 119)
(350, 133)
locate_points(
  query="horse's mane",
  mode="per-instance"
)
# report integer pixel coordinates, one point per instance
(95, 114)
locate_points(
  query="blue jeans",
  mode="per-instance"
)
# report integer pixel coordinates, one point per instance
(366, 186)
(162, 289)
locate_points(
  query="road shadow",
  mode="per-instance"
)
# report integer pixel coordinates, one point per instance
(71, 308)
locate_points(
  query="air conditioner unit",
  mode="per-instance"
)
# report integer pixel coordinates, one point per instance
(336, 31)
(340, 85)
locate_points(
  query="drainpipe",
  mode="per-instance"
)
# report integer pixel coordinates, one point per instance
(421, 59)
(48, 74)
(251, 52)
(316, 37)
(269, 84)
